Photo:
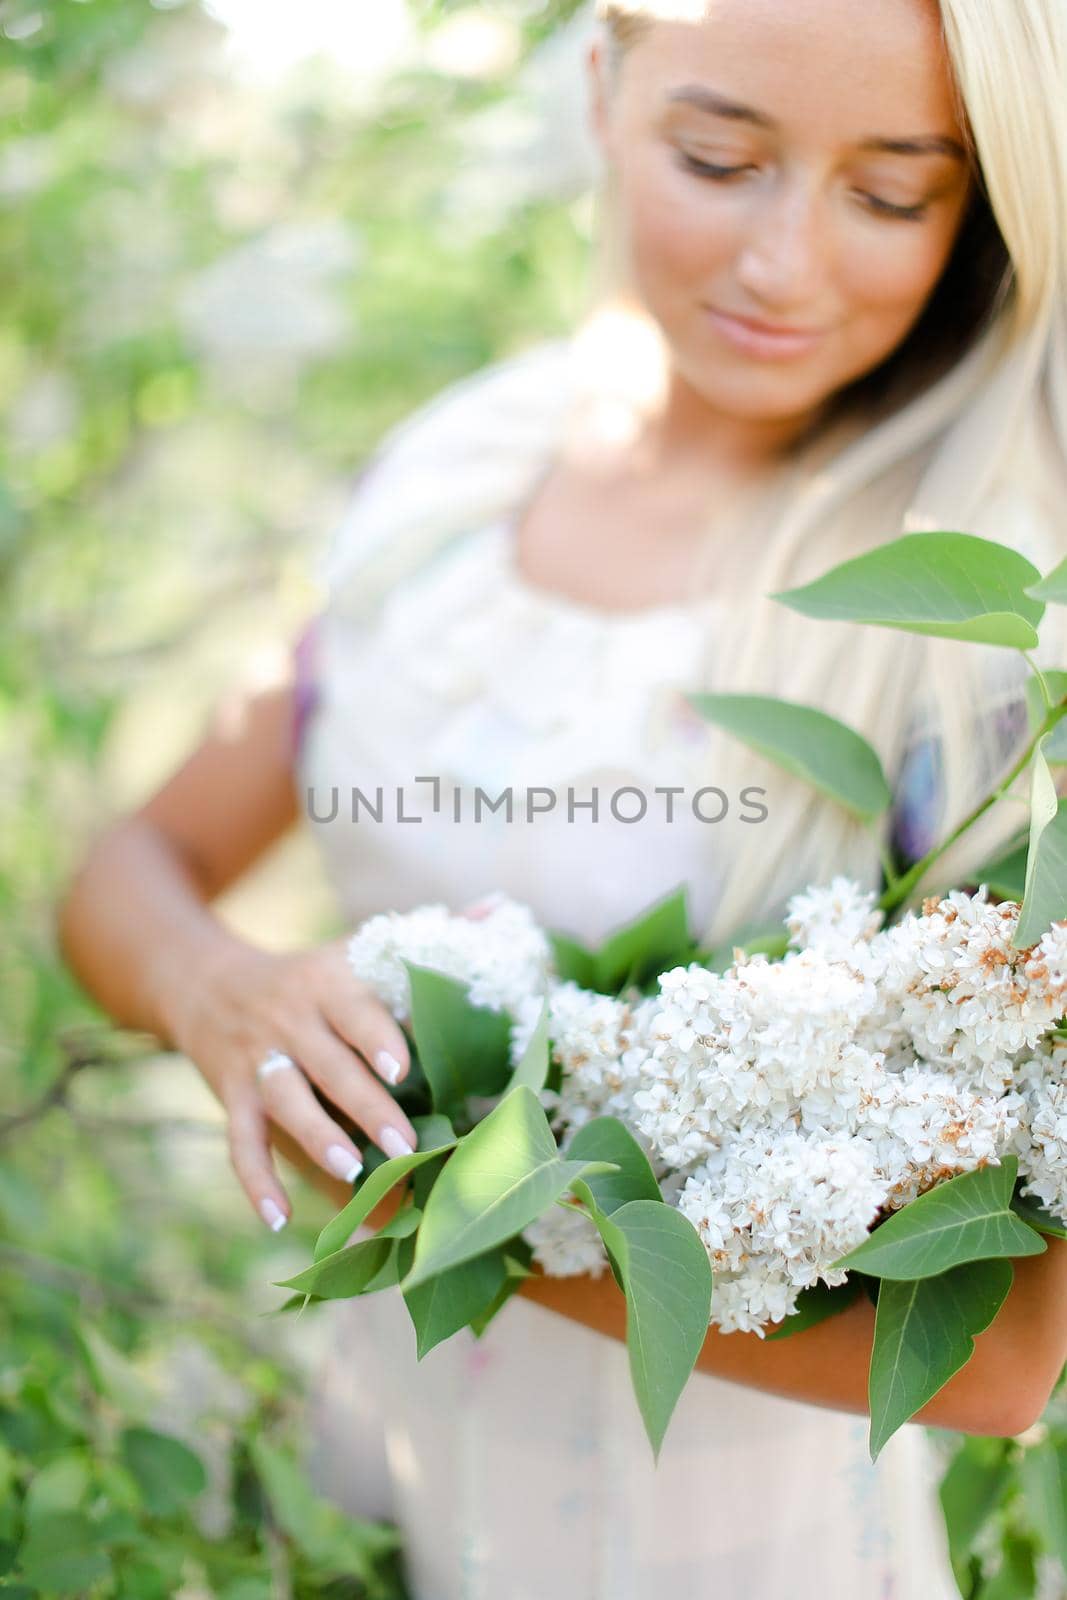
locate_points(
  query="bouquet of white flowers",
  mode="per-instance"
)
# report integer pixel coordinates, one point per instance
(862, 1104)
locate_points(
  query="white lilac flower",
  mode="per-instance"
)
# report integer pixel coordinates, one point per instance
(597, 1041)
(1041, 1141)
(503, 956)
(832, 918)
(924, 1128)
(1044, 1162)
(969, 1001)
(744, 1302)
(565, 1242)
(774, 1211)
(751, 1046)
(783, 1105)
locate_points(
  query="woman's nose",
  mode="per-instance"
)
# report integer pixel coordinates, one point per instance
(782, 263)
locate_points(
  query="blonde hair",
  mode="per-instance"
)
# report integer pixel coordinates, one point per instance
(980, 447)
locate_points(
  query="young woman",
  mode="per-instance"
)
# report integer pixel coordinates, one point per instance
(834, 245)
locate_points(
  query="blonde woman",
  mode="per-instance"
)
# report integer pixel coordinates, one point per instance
(831, 308)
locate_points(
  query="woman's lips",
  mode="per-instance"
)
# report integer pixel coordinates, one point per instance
(763, 340)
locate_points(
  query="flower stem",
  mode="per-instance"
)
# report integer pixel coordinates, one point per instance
(899, 891)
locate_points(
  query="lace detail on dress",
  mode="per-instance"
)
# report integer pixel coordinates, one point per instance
(509, 668)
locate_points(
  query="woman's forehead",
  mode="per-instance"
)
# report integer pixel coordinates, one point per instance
(846, 69)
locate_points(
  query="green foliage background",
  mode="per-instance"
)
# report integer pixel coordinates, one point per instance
(163, 492)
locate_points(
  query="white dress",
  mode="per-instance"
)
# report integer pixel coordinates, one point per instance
(517, 1466)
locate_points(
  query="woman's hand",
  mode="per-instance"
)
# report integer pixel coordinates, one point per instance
(310, 1006)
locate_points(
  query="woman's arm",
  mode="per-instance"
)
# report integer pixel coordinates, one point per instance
(1002, 1390)
(137, 929)
(134, 925)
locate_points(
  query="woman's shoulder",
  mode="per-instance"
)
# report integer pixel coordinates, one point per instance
(494, 406)
(461, 459)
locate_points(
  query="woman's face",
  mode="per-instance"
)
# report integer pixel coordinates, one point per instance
(792, 176)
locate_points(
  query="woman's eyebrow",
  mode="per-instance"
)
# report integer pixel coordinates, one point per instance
(696, 94)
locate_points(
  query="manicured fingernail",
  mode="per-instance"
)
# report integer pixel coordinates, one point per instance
(272, 1215)
(394, 1143)
(388, 1066)
(343, 1164)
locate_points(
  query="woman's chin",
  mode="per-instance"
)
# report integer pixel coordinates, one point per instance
(760, 398)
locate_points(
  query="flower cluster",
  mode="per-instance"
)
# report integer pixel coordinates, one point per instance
(785, 1105)
(503, 956)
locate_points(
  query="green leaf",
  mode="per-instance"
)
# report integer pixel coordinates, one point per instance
(388, 1273)
(815, 1305)
(514, 1272)
(61, 1554)
(1006, 876)
(435, 1134)
(168, 1473)
(1056, 748)
(608, 1139)
(573, 961)
(345, 1545)
(424, 1178)
(1045, 890)
(501, 1175)
(1016, 1577)
(665, 1274)
(400, 1224)
(952, 585)
(139, 1578)
(344, 1274)
(968, 1218)
(448, 1302)
(1052, 587)
(247, 1589)
(360, 1268)
(807, 742)
(654, 941)
(463, 1048)
(924, 1332)
(1043, 1484)
(60, 1485)
(295, 1302)
(970, 1491)
(114, 1374)
(1030, 1209)
(533, 1067)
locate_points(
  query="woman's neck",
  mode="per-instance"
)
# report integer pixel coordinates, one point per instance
(645, 412)
(685, 430)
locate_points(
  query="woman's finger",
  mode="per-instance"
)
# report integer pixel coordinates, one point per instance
(354, 1011)
(362, 1020)
(251, 1157)
(344, 1079)
(291, 1103)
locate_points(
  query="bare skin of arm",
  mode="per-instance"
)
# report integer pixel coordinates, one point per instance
(137, 929)
(1002, 1390)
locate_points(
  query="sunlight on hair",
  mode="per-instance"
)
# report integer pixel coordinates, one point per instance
(658, 10)
(623, 362)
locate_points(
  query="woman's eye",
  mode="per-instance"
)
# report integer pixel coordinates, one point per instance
(712, 169)
(723, 173)
(886, 208)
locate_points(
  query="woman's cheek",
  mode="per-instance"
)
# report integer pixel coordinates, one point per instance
(887, 287)
(678, 248)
